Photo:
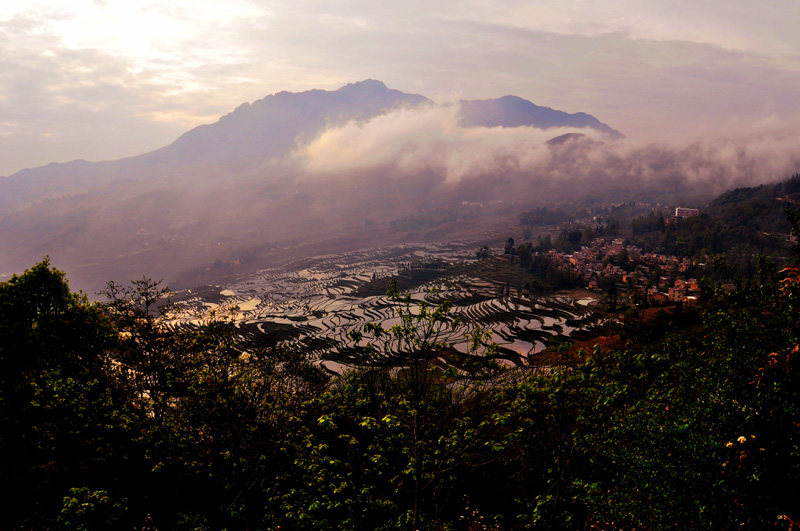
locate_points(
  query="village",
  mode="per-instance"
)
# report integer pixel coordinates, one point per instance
(608, 265)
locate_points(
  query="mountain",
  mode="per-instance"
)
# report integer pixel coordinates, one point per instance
(250, 135)
(272, 126)
(233, 188)
(512, 111)
(568, 137)
(255, 133)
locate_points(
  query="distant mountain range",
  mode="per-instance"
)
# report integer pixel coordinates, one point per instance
(227, 181)
(267, 128)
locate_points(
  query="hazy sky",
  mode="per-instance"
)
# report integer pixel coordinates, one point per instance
(104, 79)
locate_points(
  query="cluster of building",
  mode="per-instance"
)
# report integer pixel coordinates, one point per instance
(646, 277)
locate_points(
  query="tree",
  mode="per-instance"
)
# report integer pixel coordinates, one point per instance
(150, 356)
(509, 247)
(218, 408)
(437, 390)
(689, 421)
(241, 403)
(64, 421)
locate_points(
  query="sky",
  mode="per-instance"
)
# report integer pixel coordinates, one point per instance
(105, 79)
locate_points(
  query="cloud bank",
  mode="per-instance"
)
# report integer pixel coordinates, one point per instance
(563, 162)
(413, 140)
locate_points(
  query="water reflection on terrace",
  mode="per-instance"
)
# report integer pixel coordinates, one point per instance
(316, 301)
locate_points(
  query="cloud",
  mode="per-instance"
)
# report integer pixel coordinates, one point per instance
(764, 28)
(60, 103)
(414, 140)
(408, 143)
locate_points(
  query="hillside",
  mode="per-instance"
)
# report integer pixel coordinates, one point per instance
(739, 223)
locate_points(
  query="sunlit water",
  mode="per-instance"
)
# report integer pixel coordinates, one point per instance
(321, 302)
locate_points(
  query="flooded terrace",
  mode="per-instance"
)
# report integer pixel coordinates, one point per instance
(315, 302)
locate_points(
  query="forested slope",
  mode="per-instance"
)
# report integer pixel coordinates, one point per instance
(111, 420)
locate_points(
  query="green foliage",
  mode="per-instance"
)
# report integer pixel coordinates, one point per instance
(548, 274)
(346, 454)
(740, 224)
(63, 418)
(689, 426)
(150, 356)
(238, 409)
(652, 222)
(436, 392)
(113, 420)
(218, 408)
(88, 510)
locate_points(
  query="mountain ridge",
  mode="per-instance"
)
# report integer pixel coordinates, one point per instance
(230, 185)
(513, 111)
(532, 115)
(256, 132)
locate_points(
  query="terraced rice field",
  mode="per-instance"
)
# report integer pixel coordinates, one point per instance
(315, 302)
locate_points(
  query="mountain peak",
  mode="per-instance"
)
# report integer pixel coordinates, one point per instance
(272, 125)
(513, 111)
(369, 84)
(511, 99)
